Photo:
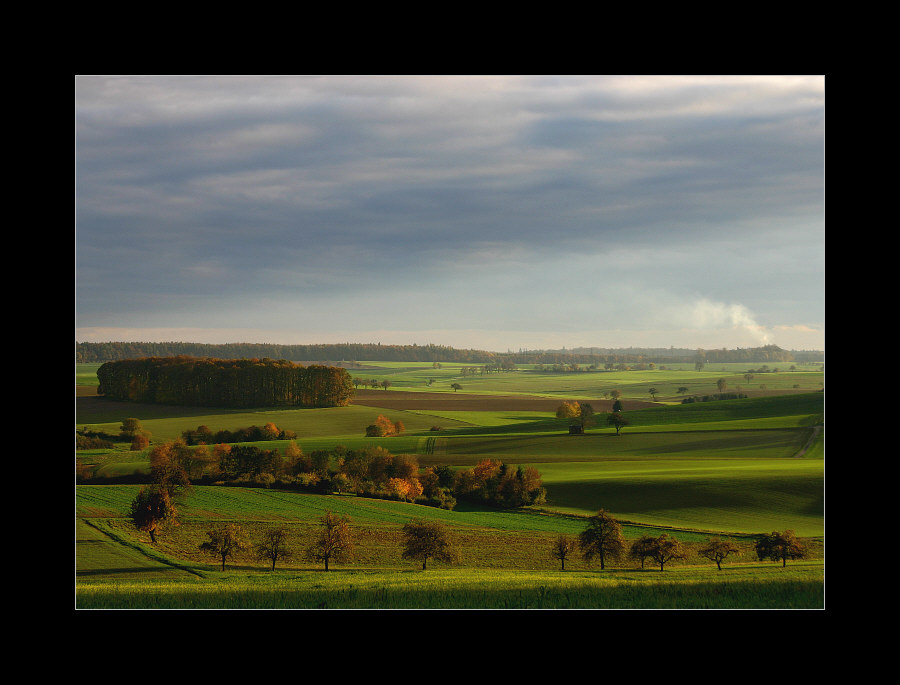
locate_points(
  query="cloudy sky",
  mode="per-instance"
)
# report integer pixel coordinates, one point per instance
(491, 212)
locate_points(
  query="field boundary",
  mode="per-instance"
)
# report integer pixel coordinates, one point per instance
(140, 548)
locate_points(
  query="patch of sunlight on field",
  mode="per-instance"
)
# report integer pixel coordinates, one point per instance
(742, 496)
(455, 589)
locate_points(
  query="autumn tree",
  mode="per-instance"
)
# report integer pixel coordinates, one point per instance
(170, 465)
(665, 549)
(225, 542)
(779, 547)
(384, 427)
(335, 542)
(130, 428)
(273, 546)
(563, 547)
(424, 540)
(717, 550)
(602, 538)
(582, 413)
(152, 509)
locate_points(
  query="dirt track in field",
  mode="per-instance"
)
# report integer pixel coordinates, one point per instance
(401, 399)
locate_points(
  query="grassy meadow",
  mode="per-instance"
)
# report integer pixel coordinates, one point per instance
(732, 468)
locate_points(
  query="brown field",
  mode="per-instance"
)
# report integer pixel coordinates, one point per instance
(401, 399)
(92, 405)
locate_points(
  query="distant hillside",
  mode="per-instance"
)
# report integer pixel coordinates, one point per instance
(347, 352)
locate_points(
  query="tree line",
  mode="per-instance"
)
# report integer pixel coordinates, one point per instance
(421, 541)
(372, 472)
(195, 381)
(112, 351)
(603, 540)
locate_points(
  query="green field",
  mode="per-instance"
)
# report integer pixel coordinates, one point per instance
(734, 467)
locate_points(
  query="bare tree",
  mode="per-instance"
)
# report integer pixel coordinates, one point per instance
(717, 550)
(225, 542)
(563, 547)
(335, 542)
(273, 546)
(665, 549)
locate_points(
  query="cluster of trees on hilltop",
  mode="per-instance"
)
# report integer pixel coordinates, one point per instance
(193, 381)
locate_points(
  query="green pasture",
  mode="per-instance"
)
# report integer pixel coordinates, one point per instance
(799, 587)
(502, 561)
(596, 384)
(693, 470)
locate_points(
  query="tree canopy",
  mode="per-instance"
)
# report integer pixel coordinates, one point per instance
(424, 540)
(602, 538)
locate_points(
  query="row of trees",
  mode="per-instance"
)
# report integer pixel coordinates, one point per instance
(204, 436)
(194, 381)
(112, 351)
(424, 540)
(421, 541)
(603, 539)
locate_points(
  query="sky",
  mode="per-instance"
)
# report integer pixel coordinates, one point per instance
(493, 212)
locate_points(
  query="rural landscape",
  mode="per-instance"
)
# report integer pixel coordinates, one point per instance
(402, 342)
(455, 479)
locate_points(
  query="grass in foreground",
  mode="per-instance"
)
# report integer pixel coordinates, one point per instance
(770, 587)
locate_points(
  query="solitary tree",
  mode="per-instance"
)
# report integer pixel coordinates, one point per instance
(424, 540)
(653, 393)
(563, 547)
(602, 538)
(335, 542)
(152, 509)
(224, 542)
(721, 384)
(779, 547)
(273, 546)
(617, 420)
(717, 550)
(456, 386)
(665, 549)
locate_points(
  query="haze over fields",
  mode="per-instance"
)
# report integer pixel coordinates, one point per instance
(489, 212)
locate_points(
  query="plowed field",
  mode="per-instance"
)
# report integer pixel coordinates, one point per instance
(401, 399)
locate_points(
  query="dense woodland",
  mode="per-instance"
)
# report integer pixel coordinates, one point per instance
(114, 351)
(194, 381)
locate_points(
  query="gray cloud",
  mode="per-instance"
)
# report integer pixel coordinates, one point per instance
(404, 203)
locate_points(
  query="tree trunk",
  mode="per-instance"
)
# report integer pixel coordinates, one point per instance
(223, 562)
